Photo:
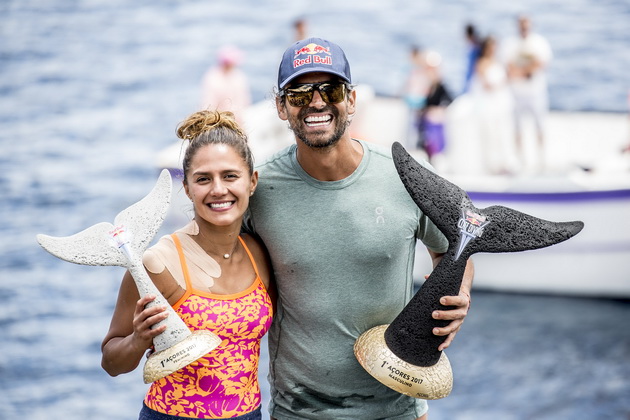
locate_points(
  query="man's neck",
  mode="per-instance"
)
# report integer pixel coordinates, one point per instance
(330, 164)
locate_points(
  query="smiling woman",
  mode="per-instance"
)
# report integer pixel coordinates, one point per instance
(215, 278)
(219, 185)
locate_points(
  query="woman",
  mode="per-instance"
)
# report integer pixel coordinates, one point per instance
(494, 108)
(432, 114)
(215, 279)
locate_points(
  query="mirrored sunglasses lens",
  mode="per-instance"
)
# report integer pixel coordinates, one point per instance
(300, 98)
(332, 93)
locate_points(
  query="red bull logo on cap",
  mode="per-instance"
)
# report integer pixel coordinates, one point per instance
(312, 48)
(311, 51)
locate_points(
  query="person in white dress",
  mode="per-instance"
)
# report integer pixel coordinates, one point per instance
(493, 111)
(225, 87)
(527, 57)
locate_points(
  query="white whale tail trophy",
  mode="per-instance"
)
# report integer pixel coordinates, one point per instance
(122, 244)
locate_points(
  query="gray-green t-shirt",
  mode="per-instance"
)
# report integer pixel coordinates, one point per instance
(342, 253)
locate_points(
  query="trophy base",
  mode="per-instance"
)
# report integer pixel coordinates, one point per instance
(170, 360)
(425, 382)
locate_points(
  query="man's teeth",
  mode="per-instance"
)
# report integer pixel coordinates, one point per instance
(317, 121)
(220, 205)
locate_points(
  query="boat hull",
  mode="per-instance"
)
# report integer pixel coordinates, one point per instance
(595, 263)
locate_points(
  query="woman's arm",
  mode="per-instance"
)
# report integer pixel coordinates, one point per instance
(130, 334)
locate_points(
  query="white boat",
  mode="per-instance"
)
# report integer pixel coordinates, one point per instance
(595, 263)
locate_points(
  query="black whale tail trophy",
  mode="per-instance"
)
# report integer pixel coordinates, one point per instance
(404, 355)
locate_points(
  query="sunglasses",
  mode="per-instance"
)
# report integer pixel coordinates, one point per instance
(302, 95)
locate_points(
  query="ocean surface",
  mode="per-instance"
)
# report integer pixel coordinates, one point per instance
(91, 90)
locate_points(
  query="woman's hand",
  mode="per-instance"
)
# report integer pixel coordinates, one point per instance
(130, 334)
(143, 319)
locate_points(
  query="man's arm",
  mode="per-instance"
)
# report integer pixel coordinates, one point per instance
(460, 302)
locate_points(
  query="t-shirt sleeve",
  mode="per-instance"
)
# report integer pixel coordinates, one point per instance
(431, 236)
(428, 232)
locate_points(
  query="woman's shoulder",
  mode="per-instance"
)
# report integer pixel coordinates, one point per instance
(154, 257)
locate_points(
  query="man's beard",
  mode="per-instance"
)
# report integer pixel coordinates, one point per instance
(319, 142)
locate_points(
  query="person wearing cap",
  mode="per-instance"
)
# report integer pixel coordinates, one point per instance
(341, 230)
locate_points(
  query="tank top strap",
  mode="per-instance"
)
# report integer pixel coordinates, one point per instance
(251, 258)
(182, 261)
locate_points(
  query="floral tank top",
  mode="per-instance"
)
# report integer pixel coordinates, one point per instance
(223, 383)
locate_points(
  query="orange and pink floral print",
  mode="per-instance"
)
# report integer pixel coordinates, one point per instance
(223, 383)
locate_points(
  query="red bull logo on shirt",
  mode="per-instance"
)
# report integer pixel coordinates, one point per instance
(311, 51)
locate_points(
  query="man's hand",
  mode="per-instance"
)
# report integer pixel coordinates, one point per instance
(456, 316)
(461, 303)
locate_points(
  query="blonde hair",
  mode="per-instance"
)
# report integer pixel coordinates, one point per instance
(213, 127)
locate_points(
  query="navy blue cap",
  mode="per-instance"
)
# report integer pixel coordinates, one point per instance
(313, 55)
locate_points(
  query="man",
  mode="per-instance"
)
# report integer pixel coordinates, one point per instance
(527, 57)
(341, 231)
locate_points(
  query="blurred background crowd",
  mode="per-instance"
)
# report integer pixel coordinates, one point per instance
(498, 105)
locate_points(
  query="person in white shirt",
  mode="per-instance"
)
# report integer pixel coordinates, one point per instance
(527, 58)
(225, 87)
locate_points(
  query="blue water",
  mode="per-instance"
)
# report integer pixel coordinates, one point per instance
(91, 90)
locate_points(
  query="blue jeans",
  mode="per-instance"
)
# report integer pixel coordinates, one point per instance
(148, 414)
